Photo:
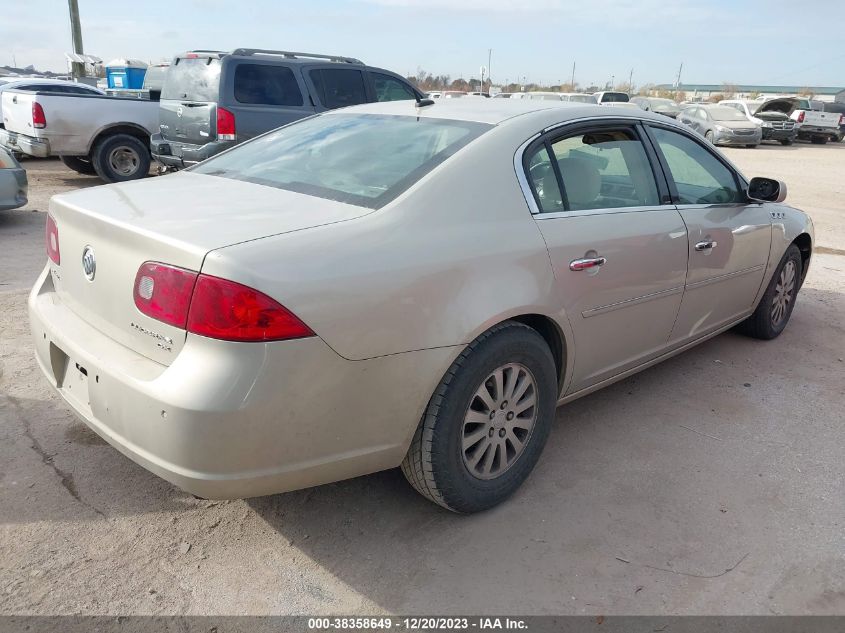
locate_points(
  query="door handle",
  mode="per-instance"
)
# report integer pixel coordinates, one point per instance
(586, 264)
(706, 245)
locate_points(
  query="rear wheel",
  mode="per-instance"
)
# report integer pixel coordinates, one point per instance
(487, 422)
(819, 140)
(786, 141)
(775, 308)
(79, 164)
(121, 157)
(751, 146)
(709, 136)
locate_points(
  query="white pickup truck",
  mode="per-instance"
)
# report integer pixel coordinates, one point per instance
(813, 125)
(92, 134)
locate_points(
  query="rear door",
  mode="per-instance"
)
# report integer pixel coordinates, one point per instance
(729, 236)
(188, 106)
(336, 86)
(617, 245)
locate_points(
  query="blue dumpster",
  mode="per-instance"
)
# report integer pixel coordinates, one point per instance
(126, 73)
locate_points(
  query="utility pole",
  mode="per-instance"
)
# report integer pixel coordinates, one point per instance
(573, 75)
(631, 80)
(78, 69)
(678, 80)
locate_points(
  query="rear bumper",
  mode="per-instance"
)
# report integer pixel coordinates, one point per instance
(39, 147)
(233, 420)
(809, 131)
(176, 154)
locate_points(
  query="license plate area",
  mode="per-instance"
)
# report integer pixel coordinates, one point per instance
(72, 378)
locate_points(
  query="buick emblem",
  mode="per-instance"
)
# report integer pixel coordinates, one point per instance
(179, 112)
(89, 264)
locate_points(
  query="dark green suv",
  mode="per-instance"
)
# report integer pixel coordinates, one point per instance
(212, 100)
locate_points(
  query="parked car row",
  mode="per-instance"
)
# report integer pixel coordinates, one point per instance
(210, 101)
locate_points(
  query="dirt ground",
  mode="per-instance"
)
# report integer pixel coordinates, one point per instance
(710, 484)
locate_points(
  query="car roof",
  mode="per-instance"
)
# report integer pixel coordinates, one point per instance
(497, 111)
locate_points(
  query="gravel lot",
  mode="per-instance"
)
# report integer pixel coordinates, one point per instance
(710, 484)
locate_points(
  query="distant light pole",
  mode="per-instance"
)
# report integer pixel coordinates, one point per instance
(489, 69)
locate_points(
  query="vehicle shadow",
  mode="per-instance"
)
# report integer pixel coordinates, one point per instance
(634, 485)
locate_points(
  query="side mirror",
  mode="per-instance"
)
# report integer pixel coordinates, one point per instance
(767, 190)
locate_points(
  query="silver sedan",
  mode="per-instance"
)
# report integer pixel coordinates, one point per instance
(722, 125)
(401, 285)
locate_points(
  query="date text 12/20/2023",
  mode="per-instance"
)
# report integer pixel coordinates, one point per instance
(416, 623)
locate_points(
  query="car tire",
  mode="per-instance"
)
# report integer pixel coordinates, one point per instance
(454, 459)
(79, 164)
(772, 313)
(819, 140)
(121, 157)
(787, 141)
(709, 136)
(751, 146)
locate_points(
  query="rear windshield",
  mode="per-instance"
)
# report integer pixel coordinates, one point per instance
(583, 98)
(615, 97)
(192, 79)
(361, 159)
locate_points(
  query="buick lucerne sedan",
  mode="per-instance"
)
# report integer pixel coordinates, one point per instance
(401, 284)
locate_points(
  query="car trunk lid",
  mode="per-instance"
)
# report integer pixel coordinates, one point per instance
(176, 220)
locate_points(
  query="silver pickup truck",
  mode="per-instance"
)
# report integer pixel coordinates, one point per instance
(92, 134)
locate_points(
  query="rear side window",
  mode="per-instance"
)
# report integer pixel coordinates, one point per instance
(338, 88)
(361, 159)
(391, 89)
(193, 79)
(699, 176)
(602, 169)
(266, 85)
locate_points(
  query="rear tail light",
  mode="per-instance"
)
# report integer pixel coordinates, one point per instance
(842, 119)
(801, 116)
(38, 118)
(213, 307)
(52, 238)
(225, 125)
(164, 292)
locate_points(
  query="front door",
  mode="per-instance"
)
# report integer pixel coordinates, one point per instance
(729, 236)
(619, 255)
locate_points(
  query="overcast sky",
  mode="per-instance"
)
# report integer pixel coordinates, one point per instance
(752, 41)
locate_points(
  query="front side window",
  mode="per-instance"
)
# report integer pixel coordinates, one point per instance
(601, 169)
(339, 87)
(261, 84)
(361, 159)
(700, 177)
(391, 89)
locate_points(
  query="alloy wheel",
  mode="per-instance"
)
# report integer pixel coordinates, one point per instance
(499, 421)
(784, 293)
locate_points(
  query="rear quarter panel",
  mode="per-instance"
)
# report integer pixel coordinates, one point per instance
(454, 255)
(251, 119)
